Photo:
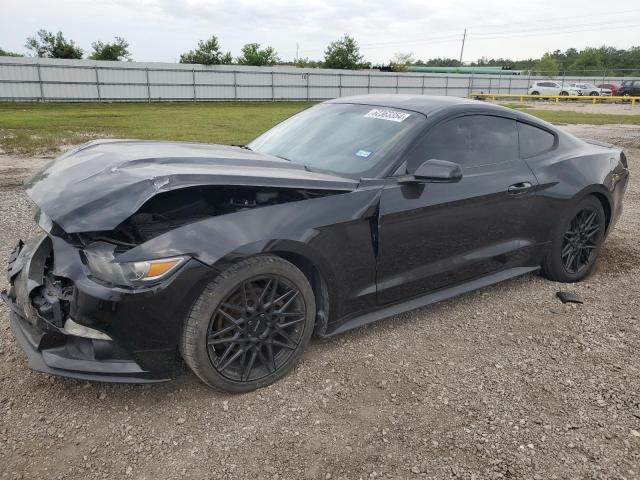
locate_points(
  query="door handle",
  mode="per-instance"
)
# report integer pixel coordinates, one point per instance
(518, 188)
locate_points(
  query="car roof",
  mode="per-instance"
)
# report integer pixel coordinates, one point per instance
(425, 104)
(434, 105)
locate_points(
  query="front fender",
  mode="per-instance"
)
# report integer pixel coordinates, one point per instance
(332, 232)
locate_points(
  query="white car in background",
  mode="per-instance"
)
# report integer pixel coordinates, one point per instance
(552, 89)
(590, 90)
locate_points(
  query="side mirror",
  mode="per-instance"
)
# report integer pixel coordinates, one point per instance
(434, 170)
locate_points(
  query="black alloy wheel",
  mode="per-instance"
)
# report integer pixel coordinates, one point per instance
(576, 242)
(581, 241)
(250, 325)
(256, 328)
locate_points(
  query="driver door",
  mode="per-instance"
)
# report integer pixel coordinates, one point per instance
(437, 234)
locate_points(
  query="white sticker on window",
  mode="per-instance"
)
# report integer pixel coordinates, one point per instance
(384, 114)
(363, 153)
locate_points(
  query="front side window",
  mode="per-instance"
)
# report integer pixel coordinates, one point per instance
(349, 139)
(470, 141)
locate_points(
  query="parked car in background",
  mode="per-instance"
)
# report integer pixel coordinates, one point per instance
(611, 86)
(590, 90)
(552, 89)
(630, 88)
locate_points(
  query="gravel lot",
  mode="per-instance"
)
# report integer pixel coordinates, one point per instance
(505, 382)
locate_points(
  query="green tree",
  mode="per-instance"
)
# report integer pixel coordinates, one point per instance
(400, 61)
(115, 51)
(547, 65)
(307, 63)
(52, 45)
(344, 53)
(208, 52)
(252, 54)
(6, 53)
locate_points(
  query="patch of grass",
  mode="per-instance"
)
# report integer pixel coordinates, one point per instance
(557, 116)
(32, 128)
(562, 117)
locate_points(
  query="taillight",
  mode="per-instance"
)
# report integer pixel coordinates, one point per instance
(623, 160)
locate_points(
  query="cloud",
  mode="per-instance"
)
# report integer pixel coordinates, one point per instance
(159, 30)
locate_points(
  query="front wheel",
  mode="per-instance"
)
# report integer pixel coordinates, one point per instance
(250, 325)
(576, 243)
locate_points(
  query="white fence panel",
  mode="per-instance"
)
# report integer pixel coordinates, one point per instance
(27, 78)
(123, 92)
(114, 75)
(20, 91)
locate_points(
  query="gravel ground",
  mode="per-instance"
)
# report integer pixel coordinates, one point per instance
(505, 382)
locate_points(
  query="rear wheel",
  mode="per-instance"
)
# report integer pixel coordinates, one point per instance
(594, 94)
(564, 94)
(576, 242)
(250, 325)
(535, 92)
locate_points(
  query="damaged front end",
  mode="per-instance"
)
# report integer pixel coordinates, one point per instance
(177, 208)
(129, 242)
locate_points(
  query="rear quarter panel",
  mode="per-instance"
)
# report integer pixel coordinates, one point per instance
(573, 171)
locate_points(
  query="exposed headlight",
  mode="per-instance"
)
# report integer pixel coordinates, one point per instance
(100, 259)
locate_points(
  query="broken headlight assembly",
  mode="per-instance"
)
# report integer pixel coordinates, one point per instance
(100, 260)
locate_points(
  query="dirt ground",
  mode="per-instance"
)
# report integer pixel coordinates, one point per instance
(505, 382)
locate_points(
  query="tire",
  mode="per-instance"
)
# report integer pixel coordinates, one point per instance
(594, 94)
(535, 92)
(564, 94)
(576, 235)
(250, 325)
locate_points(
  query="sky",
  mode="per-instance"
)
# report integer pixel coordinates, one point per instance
(160, 30)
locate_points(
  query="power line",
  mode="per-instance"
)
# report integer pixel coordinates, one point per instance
(504, 33)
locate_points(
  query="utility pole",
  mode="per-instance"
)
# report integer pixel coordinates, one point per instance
(464, 36)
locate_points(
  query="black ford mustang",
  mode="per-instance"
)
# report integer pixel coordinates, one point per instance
(351, 211)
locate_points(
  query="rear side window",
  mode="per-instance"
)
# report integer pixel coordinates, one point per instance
(469, 141)
(534, 140)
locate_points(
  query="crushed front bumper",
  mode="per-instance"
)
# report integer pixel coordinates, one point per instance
(118, 335)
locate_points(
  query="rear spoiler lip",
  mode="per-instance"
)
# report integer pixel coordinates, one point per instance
(598, 142)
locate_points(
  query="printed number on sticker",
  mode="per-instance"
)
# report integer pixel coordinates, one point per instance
(391, 115)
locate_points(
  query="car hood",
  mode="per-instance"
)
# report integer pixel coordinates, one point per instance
(100, 184)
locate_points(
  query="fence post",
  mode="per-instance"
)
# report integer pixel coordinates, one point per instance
(339, 85)
(308, 92)
(470, 85)
(148, 85)
(193, 76)
(368, 83)
(273, 89)
(489, 85)
(40, 82)
(235, 85)
(397, 82)
(510, 78)
(422, 89)
(446, 86)
(97, 83)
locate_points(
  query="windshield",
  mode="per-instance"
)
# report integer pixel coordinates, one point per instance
(356, 140)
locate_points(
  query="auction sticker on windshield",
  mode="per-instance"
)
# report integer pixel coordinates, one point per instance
(390, 115)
